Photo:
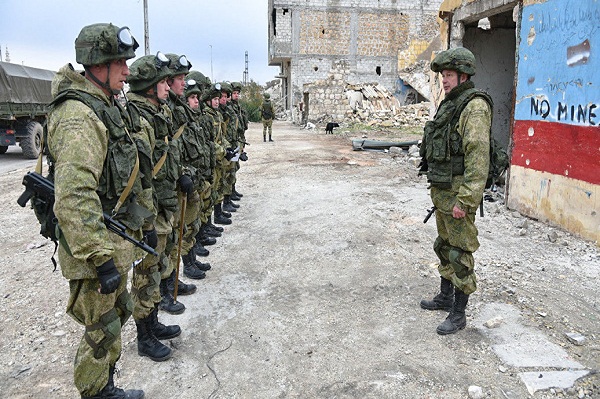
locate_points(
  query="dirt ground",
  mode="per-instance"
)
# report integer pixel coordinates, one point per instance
(314, 290)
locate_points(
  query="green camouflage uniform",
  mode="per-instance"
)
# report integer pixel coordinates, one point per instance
(230, 135)
(267, 115)
(456, 184)
(156, 123)
(193, 159)
(81, 146)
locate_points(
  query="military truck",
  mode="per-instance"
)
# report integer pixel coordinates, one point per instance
(24, 97)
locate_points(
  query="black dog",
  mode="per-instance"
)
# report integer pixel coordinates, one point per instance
(330, 126)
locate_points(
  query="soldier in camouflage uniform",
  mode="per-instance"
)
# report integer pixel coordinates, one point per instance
(242, 126)
(148, 91)
(230, 137)
(267, 113)
(93, 158)
(192, 160)
(455, 148)
(211, 97)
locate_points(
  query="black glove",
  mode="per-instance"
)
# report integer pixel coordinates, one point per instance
(151, 238)
(109, 277)
(229, 154)
(186, 184)
(243, 157)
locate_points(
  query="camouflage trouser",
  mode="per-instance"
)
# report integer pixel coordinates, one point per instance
(228, 178)
(454, 246)
(103, 316)
(192, 227)
(217, 183)
(267, 124)
(205, 203)
(146, 279)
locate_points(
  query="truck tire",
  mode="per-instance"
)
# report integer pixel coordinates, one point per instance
(32, 143)
(3, 149)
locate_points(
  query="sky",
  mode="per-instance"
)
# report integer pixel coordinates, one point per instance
(217, 33)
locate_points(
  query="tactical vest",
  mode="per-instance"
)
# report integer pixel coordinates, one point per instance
(120, 159)
(442, 144)
(193, 151)
(165, 178)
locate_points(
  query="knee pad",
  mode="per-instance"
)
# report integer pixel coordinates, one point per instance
(440, 247)
(124, 306)
(110, 324)
(460, 269)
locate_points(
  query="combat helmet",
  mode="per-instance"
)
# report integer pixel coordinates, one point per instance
(102, 43)
(202, 81)
(457, 59)
(267, 96)
(147, 71)
(226, 87)
(236, 86)
(192, 87)
(211, 92)
(179, 64)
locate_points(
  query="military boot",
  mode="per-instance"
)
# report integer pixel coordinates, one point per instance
(200, 250)
(112, 392)
(205, 239)
(160, 330)
(234, 197)
(264, 138)
(236, 192)
(190, 269)
(147, 343)
(201, 266)
(229, 200)
(227, 205)
(442, 301)
(213, 227)
(167, 302)
(219, 217)
(456, 319)
(270, 139)
(182, 288)
(208, 231)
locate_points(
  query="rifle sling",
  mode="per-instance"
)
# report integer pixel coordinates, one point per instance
(130, 183)
(163, 158)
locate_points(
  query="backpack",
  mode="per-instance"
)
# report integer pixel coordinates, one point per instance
(266, 110)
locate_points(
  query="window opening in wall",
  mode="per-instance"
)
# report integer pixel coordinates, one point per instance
(274, 20)
(285, 11)
(378, 71)
(316, 68)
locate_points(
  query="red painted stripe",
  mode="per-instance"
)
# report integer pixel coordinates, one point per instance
(558, 148)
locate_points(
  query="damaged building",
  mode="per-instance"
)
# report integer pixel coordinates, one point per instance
(536, 59)
(321, 46)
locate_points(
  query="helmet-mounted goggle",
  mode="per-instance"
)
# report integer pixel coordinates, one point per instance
(161, 61)
(126, 40)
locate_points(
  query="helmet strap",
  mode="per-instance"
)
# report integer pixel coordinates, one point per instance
(105, 85)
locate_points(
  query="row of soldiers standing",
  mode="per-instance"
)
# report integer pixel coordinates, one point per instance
(191, 141)
(161, 165)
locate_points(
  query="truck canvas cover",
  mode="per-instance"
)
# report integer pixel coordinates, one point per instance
(24, 85)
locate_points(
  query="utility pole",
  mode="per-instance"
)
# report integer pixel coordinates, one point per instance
(212, 79)
(245, 78)
(146, 33)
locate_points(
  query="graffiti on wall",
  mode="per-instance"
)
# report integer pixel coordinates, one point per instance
(558, 63)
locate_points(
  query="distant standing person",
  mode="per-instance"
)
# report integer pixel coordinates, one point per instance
(267, 113)
(94, 157)
(456, 148)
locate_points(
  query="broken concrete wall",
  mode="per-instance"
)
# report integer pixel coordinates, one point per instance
(308, 37)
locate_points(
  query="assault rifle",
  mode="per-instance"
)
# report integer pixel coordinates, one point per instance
(38, 185)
